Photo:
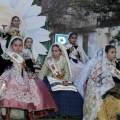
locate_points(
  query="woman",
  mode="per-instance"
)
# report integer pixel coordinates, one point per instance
(102, 100)
(56, 75)
(29, 48)
(23, 90)
(81, 81)
(15, 28)
(76, 54)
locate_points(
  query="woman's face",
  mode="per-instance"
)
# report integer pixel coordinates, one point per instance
(111, 55)
(73, 39)
(15, 22)
(17, 46)
(56, 52)
(28, 43)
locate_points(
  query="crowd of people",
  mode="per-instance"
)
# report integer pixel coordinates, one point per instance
(68, 84)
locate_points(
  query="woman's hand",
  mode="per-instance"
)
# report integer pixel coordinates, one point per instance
(65, 83)
(40, 65)
(30, 75)
(33, 60)
(77, 55)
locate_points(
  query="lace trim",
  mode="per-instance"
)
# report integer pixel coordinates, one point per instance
(19, 88)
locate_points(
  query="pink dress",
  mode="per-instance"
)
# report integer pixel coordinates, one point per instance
(24, 93)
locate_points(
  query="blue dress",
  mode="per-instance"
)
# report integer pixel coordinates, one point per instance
(69, 103)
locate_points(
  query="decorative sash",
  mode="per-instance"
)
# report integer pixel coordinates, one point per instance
(74, 52)
(114, 71)
(17, 58)
(97, 71)
(54, 69)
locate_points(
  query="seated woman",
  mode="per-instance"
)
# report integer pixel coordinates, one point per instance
(22, 90)
(29, 48)
(102, 96)
(56, 71)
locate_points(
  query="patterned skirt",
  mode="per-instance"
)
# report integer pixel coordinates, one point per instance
(69, 103)
(24, 93)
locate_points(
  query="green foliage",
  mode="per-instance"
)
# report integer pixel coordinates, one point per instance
(102, 7)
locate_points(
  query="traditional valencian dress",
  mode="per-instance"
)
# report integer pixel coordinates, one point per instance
(84, 75)
(22, 92)
(8, 33)
(102, 97)
(67, 99)
(77, 57)
(33, 53)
